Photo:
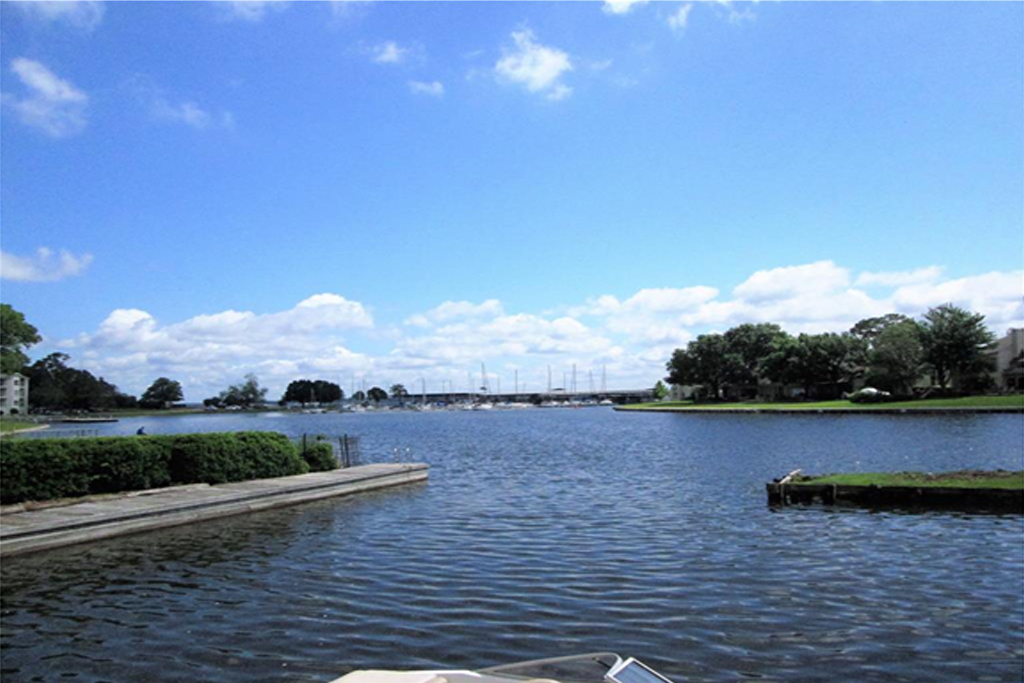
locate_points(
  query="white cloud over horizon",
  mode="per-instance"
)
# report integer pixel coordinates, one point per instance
(621, 6)
(84, 15)
(453, 310)
(535, 67)
(217, 349)
(897, 278)
(43, 266)
(389, 52)
(678, 19)
(631, 337)
(52, 104)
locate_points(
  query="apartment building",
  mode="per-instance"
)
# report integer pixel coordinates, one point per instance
(13, 394)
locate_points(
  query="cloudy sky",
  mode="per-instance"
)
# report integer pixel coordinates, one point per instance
(398, 192)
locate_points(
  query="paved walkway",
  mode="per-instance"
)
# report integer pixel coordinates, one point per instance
(39, 529)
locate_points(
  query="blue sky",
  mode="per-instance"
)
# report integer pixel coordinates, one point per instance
(385, 191)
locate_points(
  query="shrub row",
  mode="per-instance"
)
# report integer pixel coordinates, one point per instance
(319, 455)
(42, 469)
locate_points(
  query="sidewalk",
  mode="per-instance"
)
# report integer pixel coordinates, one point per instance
(40, 529)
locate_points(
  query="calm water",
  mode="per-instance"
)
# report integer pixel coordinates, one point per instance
(551, 532)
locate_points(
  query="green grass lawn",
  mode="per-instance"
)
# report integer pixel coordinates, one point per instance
(1015, 401)
(7, 425)
(969, 479)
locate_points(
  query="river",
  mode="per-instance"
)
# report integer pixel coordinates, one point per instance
(553, 532)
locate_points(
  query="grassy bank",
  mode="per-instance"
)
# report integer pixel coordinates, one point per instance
(7, 426)
(978, 402)
(965, 479)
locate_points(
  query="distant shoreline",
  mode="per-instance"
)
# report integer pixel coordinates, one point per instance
(940, 406)
(828, 411)
(25, 430)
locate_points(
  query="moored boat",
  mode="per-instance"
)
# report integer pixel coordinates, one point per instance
(598, 667)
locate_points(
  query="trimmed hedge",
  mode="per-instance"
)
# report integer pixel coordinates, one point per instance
(42, 469)
(320, 457)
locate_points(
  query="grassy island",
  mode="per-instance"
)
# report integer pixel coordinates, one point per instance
(998, 490)
(973, 479)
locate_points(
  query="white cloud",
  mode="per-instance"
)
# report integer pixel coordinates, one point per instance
(217, 349)
(45, 266)
(678, 19)
(453, 310)
(668, 300)
(653, 315)
(186, 112)
(344, 9)
(521, 335)
(52, 105)
(621, 6)
(191, 114)
(536, 67)
(812, 298)
(734, 15)
(389, 52)
(84, 15)
(632, 336)
(252, 10)
(899, 278)
(998, 295)
(433, 88)
(783, 283)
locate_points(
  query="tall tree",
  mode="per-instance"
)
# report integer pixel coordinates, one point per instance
(660, 391)
(16, 335)
(376, 394)
(749, 344)
(787, 362)
(306, 391)
(955, 344)
(161, 393)
(895, 358)
(705, 361)
(246, 394)
(869, 329)
(820, 363)
(56, 386)
(834, 358)
(300, 391)
(327, 392)
(399, 391)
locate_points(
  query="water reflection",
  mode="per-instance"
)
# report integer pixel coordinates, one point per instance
(549, 533)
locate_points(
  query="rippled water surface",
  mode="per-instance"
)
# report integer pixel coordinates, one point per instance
(551, 532)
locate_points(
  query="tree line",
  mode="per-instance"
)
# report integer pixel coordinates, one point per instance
(890, 353)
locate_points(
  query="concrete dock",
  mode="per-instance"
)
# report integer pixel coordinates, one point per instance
(39, 529)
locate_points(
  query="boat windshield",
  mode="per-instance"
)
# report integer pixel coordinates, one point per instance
(589, 668)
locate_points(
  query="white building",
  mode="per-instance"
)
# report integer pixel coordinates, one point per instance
(1009, 361)
(13, 394)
